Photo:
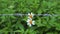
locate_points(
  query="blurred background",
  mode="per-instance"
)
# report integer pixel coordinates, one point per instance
(18, 25)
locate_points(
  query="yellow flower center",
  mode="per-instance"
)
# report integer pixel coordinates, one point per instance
(30, 21)
(30, 16)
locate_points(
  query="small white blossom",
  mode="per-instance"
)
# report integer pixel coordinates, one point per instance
(30, 15)
(30, 22)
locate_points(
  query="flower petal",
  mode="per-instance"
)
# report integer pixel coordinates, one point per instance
(33, 22)
(30, 25)
(28, 13)
(28, 20)
(32, 14)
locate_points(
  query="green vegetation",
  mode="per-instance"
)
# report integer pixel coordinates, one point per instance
(18, 24)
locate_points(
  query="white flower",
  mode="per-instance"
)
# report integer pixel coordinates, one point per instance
(30, 15)
(30, 22)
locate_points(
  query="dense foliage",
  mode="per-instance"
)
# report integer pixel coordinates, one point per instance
(18, 24)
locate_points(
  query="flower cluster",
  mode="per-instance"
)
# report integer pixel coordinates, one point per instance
(30, 22)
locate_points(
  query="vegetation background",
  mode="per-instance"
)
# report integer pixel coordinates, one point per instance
(18, 24)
